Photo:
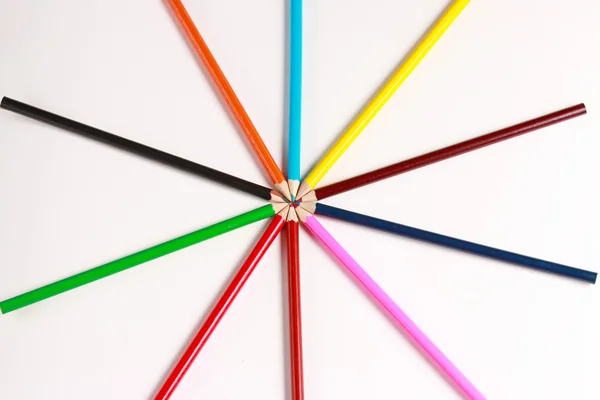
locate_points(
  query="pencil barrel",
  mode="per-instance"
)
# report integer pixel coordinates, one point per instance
(295, 103)
(386, 92)
(451, 151)
(219, 310)
(457, 244)
(133, 260)
(295, 311)
(392, 309)
(236, 109)
(134, 147)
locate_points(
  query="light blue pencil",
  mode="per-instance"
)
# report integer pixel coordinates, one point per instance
(295, 103)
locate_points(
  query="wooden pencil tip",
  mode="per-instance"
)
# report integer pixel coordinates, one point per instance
(304, 189)
(302, 214)
(284, 212)
(292, 215)
(310, 196)
(276, 198)
(283, 188)
(293, 184)
(309, 206)
(277, 207)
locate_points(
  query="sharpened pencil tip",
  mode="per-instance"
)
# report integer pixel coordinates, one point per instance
(283, 188)
(275, 197)
(292, 216)
(283, 213)
(302, 214)
(304, 189)
(310, 206)
(310, 196)
(293, 184)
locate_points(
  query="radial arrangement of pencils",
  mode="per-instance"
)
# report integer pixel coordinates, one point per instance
(294, 202)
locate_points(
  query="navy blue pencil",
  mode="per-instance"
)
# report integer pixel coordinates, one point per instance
(453, 243)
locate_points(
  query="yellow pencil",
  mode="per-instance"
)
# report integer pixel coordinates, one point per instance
(382, 97)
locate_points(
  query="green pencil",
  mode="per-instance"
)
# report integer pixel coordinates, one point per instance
(91, 275)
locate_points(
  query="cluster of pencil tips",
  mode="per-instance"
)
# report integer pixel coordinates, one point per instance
(292, 201)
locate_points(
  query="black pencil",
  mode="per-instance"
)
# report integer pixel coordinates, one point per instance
(138, 148)
(453, 243)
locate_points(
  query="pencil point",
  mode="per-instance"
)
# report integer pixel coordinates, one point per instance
(276, 198)
(292, 216)
(284, 212)
(302, 214)
(278, 207)
(283, 188)
(304, 189)
(310, 196)
(309, 206)
(293, 184)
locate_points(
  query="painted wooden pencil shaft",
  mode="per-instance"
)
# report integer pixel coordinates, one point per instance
(375, 105)
(208, 327)
(457, 244)
(230, 98)
(450, 151)
(132, 260)
(295, 101)
(135, 148)
(392, 308)
(295, 311)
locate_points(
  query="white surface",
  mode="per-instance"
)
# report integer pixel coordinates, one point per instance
(68, 204)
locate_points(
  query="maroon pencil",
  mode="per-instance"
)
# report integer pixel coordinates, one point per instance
(238, 281)
(449, 152)
(295, 314)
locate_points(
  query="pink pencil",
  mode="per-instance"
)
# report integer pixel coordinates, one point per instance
(388, 304)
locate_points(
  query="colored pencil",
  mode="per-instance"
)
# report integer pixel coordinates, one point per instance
(457, 244)
(217, 313)
(138, 258)
(450, 151)
(136, 148)
(294, 305)
(373, 289)
(233, 103)
(295, 106)
(369, 112)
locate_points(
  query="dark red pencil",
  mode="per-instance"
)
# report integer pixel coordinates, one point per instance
(238, 281)
(448, 152)
(294, 304)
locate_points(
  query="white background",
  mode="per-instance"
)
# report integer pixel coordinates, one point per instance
(68, 204)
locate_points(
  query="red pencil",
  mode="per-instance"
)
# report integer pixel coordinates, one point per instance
(294, 304)
(238, 281)
(447, 152)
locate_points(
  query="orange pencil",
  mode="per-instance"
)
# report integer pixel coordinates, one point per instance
(234, 104)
